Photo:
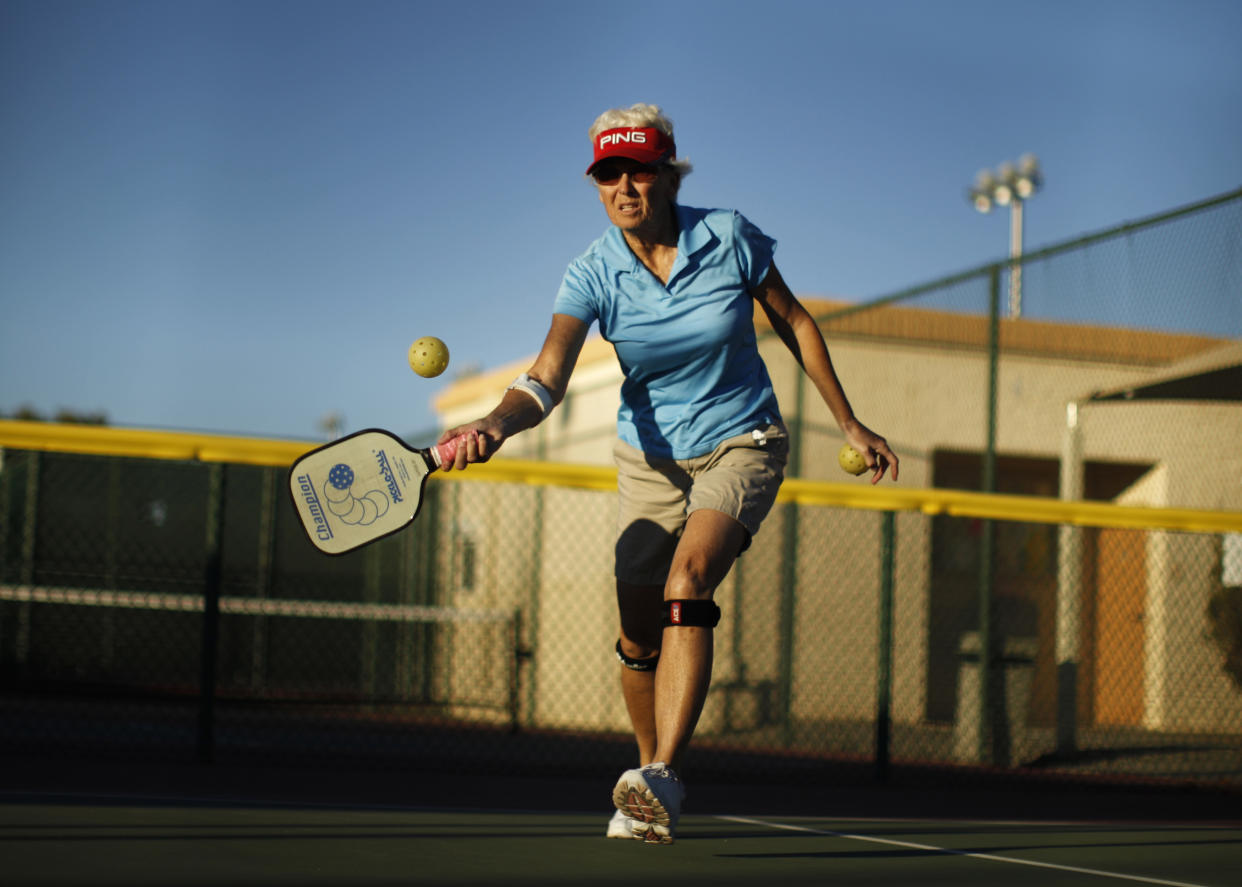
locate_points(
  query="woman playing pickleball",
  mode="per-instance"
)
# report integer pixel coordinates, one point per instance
(701, 446)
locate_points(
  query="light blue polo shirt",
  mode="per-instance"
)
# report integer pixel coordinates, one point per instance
(693, 375)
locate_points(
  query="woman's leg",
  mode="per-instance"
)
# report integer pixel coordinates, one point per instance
(709, 545)
(639, 606)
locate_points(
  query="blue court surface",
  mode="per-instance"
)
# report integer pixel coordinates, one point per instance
(127, 825)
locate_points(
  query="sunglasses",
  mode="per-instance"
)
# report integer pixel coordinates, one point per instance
(610, 173)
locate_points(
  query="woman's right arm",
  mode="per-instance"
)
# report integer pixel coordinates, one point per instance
(517, 410)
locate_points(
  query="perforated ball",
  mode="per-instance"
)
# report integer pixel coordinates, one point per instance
(429, 357)
(852, 461)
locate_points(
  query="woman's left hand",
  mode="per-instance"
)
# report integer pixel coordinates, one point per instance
(875, 450)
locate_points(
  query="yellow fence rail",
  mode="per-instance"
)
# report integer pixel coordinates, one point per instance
(153, 444)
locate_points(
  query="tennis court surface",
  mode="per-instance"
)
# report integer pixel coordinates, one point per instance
(134, 824)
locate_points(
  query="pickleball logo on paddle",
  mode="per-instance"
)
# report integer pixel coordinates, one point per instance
(338, 492)
(357, 489)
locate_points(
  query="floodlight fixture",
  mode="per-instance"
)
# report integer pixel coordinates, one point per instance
(1010, 185)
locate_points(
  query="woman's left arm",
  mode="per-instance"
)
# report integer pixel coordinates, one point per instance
(802, 336)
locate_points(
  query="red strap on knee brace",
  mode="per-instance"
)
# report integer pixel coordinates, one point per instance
(691, 612)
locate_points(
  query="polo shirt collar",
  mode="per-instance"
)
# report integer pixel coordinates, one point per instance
(693, 237)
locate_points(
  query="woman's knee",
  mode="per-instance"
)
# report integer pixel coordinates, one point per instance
(696, 574)
(640, 611)
(690, 583)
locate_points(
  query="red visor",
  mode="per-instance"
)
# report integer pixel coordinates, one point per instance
(642, 145)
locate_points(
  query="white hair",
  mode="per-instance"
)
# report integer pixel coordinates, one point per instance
(640, 116)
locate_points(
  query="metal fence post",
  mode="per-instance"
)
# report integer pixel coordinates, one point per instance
(112, 559)
(369, 634)
(30, 530)
(789, 568)
(264, 574)
(1069, 587)
(213, 575)
(884, 678)
(987, 542)
(5, 497)
(530, 622)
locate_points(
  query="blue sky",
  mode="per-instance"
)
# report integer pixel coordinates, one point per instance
(236, 216)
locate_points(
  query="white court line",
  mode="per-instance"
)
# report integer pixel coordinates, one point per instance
(948, 852)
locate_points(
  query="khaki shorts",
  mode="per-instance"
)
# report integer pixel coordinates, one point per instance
(739, 478)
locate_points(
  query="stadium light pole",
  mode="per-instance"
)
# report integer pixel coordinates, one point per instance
(1010, 186)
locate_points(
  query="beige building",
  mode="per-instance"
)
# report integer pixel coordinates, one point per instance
(805, 653)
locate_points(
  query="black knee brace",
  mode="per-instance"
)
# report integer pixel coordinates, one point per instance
(647, 664)
(691, 612)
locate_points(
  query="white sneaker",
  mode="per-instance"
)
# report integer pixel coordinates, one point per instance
(621, 826)
(652, 796)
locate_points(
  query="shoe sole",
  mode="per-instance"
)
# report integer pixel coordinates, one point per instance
(630, 834)
(639, 803)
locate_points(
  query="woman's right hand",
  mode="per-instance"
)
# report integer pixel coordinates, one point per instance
(477, 442)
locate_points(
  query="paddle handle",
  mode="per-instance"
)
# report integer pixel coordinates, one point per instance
(447, 451)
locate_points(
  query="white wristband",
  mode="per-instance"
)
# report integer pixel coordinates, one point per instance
(527, 385)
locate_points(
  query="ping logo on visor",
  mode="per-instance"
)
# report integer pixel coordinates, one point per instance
(642, 144)
(619, 137)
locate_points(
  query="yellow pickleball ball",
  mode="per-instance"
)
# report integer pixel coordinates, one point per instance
(852, 461)
(429, 357)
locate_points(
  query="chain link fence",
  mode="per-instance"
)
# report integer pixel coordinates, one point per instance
(477, 638)
(1054, 587)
